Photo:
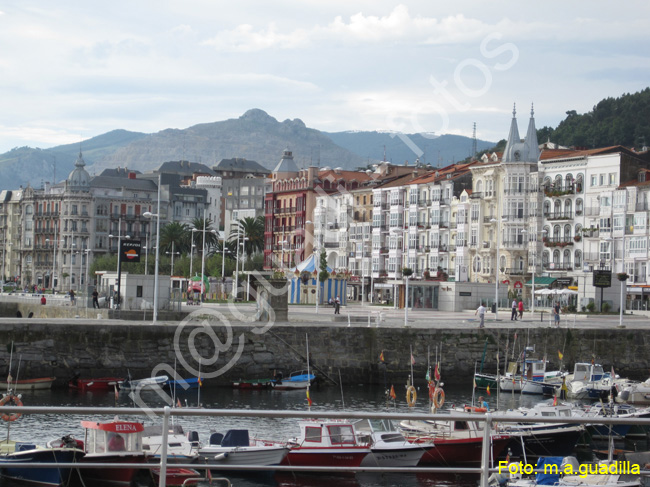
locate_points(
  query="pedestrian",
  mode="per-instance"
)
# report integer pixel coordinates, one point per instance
(71, 297)
(337, 306)
(520, 306)
(513, 316)
(556, 314)
(480, 311)
(43, 300)
(95, 299)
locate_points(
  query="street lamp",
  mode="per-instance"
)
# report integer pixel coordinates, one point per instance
(148, 214)
(533, 238)
(192, 251)
(87, 264)
(496, 267)
(172, 253)
(53, 259)
(317, 264)
(623, 283)
(283, 243)
(119, 238)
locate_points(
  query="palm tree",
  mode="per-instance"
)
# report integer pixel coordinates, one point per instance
(253, 229)
(211, 239)
(177, 234)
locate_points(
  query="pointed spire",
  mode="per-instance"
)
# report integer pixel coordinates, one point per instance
(531, 138)
(80, 160)
(513, 138)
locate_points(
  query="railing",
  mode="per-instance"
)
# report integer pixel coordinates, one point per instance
(560, 215)
(477, 195)
(555, 266)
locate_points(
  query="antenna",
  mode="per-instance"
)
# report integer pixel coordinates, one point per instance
(474, 141)
(54, 172)
(384, 153)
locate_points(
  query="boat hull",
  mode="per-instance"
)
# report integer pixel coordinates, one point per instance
(483, 381)
(397, 457)
(40, 476)
(215, 456)
(100, 384)
(458, 451)
(112, 477)
(29, 384)
(326, 457)
(547, 441)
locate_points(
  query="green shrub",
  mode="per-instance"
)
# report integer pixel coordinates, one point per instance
(606, 307)
(591, 306)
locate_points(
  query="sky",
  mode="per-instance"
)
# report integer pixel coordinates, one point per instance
(71, 70)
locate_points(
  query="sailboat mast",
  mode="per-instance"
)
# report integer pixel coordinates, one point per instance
(308, 376)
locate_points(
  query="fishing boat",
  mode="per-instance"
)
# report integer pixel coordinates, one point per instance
(589, 382)
(183, 384)
(28, 384)
(98, 384)
(146, 383)
(634, 392)
(388, 447)
(454, 442)
(252, 384)
(237, 448)
(180, 449)
(118, 442)
(611, 410)
(27, 453)
(482, 379)
(326, 443)
(297, 380)
(529, 376)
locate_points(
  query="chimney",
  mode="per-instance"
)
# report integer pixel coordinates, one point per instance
(132, 175)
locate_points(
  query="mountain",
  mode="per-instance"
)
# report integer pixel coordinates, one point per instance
(255, 135)
(434, 150)
(612, 121)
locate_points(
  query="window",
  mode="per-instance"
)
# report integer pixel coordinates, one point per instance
(341, 435)
(594, 180)
(611, 178)
(313, 434)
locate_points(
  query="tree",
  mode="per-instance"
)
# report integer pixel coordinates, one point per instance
(211, 239)
(176, 234)
(253, 229)
(323, 275)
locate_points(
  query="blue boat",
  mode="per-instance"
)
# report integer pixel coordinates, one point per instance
(28, 453)
(297, 380)
(183, 384)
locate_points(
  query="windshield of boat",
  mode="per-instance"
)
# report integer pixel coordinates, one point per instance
(341, 435)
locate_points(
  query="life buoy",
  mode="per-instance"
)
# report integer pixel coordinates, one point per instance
(475, 409)
(438, 398)
(16, 400)
(432, 390)
(411, 396)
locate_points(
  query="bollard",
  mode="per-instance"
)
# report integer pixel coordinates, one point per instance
(541, 317)
(348, 320)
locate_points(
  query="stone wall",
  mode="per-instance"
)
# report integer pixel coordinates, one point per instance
(93, 349)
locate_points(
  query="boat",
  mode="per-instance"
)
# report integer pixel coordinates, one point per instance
(455, 442)
(146, 383)
(556, 471)
(117, 442)
(177, 476)
(252, 384)
(180, 449)
(612, 410)
(98, 384)
(27, 453)
(388, 447)
(326, 443)
(183, 384)
(297, 380)
(589, 382)
(537, 438)
(634, 392)
(533, 379)
(237, 448)
(28, 384)
(483, 380)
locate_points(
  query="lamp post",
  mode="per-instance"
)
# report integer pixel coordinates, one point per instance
(172, 253)
(496, 268)
(148, 214)
(87, 251)
(623, 282)
(119, 262)
(192, 252)
(243, 261)
(533, 238)
(283, 243)
(53, 258)
(71, 253)
(223, 263)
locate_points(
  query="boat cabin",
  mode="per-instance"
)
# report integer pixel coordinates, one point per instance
(324, 434)
(584, 371)
(113, 437)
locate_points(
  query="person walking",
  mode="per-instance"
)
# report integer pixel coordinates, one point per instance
(513, 316)
(480, 311)
(95, 299)
(520, 307)
(556, 314)
(337, 306)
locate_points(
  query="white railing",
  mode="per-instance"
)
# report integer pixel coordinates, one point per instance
(484, 470)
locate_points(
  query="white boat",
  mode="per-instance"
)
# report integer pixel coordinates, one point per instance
(146, 383)
(533, 380)
(388, 447)
(179, 448)
(297, 380)
(589, 382)
(634, 392)
(237, 448)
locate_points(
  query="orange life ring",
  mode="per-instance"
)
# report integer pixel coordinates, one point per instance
(16, 400)
(438, 398)
(475, 409)
(432, 390)
(411, 396)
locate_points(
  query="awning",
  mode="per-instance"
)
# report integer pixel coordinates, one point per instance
(542, 281)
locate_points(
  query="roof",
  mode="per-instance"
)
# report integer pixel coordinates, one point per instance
(455, 170)
(184, 168)
(239, 164)
(573, 153)
(287, 163)
(119, 172)
(400, 181)
(121, 182)
(335, 175)
(308, 265)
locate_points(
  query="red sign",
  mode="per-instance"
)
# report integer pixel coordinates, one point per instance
(518, 285)
(507, 281)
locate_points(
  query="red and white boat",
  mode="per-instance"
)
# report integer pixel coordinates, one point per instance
(99, 384)
(326, 443)
(455, 442)
(27, 384)
(112, 442)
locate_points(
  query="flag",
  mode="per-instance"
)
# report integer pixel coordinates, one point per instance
(412, 360)
(428, 376)
(436, 373)
(178, 403)
(488, 390)
(117, 394)
(560, 354)
(381, 356)
(308, 399)
(613, 374)
(200, 382)
(475, 382)
(392, 393)
(555, 400)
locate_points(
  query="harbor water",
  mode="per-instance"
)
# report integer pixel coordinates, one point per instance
(358, 398)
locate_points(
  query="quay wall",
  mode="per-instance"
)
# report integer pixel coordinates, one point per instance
(94, 349)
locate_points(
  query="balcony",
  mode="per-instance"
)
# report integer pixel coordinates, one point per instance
(590, 232)
(514, 216)
(514, 272)
(514, 244)
(477, 195)
(560, 215)
(331, 245)
(383, 250)
(560, 190)
(556, 266)
(557, 241)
